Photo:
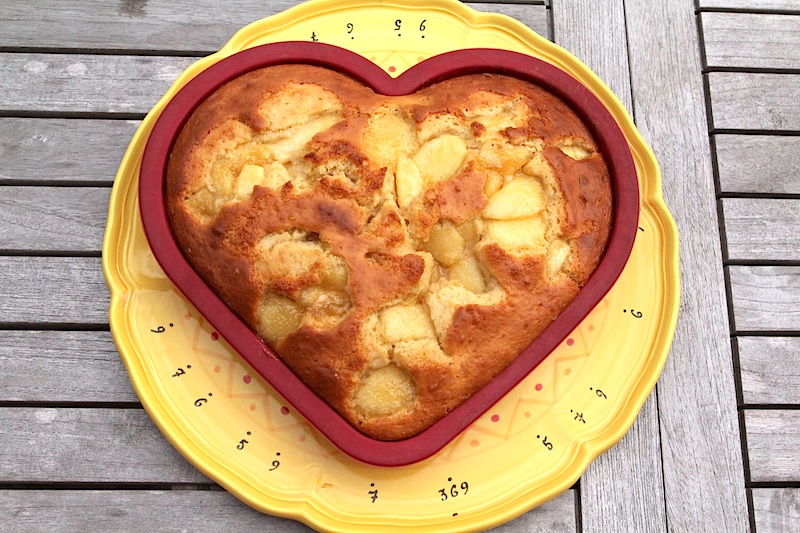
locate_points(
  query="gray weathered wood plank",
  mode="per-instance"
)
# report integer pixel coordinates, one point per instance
(44, 444)
(160, 25)
(44, 219)
(83, 83)
(123, 446)
(53, 290)
(623, 486)
(595, 39)
(702, 462)
(535, 17)
(134, 510)
(62, 366)
(557, 514)
(759, 5)
(762, 229)
(764, 164)
(755, 101)
(157, 25)
(765, 298)
(773, 445)
(769, 370)
(776, 510)
(62, 150)
(122, 84)
(747, 40)
(198, 511)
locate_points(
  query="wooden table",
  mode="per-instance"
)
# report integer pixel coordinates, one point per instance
(714, 88)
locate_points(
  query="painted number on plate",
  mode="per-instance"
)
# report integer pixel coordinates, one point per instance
(454, 490)
(200, 402)
(599, 393)
(181, 371)
(243, 442)
(634, 313)
(162, 329)
(275, 463)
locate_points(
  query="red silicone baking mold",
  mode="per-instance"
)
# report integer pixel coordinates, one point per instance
(255, 351)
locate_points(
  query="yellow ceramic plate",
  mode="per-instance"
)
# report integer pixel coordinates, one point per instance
(529, 447)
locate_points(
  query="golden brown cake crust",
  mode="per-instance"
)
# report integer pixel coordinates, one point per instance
(397, 253)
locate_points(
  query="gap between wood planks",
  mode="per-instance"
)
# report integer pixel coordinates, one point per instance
(78, 485)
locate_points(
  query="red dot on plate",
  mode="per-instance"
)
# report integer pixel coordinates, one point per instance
(247, 379)
(217, 368)
(391, 69)
(591, 327)
(252, 407)
(495, 418)
(474, 442)
(284, 410)
(527, 414)
(570, 342)
(214, 336)
(538, 386)
(568, 371)
(302, 438)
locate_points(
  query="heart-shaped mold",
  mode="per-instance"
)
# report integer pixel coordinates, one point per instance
(255, 351)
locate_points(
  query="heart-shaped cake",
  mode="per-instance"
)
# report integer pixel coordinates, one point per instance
(397, 243)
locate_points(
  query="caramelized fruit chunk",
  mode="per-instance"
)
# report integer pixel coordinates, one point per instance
(440, 158)
(388, 133)
(505, 158)
(334, 274)
(278, 317)
(291, 144)
(409, 182)
(249, 177)
(519, 198)
(576, 148)
(522, 233)
(445, 244)
(539, 167)
(296, 104)
(467, 271)
(469, 231)
(405, 322)
(385, 391)
(557, 254)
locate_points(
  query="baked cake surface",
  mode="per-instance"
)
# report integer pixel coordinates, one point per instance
(396, 252)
